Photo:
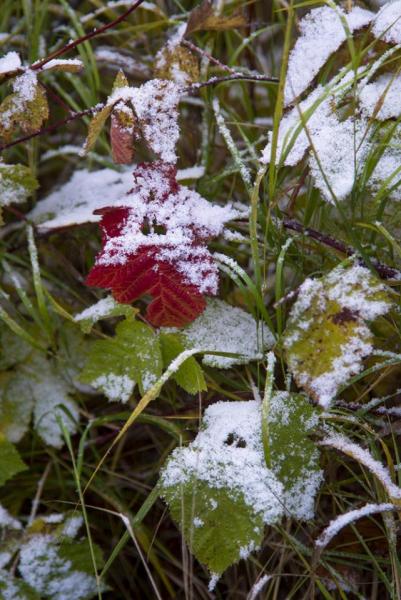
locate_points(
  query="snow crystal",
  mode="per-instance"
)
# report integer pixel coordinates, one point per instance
(364, 457)
(322, 33)
(258, 586)
(10, 62)
(239, 467)
(53, 518)
(387, 24)
(52, 576)
(381, 98)
(225, 328)
(115, 387)
(343, 520)
(6, 520)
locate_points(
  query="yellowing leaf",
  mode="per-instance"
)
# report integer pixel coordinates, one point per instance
(16, 183)
(96, 125)
(178, 63)
(203, 18)
(120, 81)
(327, 336)
(26, 108)
(67, 65)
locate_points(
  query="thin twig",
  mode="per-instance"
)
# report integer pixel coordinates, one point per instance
(210, 58)
(383, 270)
(233, 77)
(50, 128)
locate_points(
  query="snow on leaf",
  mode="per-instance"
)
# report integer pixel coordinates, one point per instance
(16, 405)
(222, 482)
(176, 62)
(294, 456)
(381, 98)
(387, 171)
(387, 24)
(67, 65)
(328, 319)
(132, 356)
(338, 154)
(12, 588)
(10, 460)
(26, 108)
(16, 183)
(56, 570)
(104, 309)
(225, 328)
(322, 32)
(9, 63)
(189, 376)
(155, 104)
(155, 243)
(74, 202)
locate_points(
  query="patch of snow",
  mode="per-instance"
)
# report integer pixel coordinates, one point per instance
(387, 24)
(10, 62)
(225, 328)
(322, 31)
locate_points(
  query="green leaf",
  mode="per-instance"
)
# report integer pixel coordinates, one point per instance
(218, 525)
(190, 375)
(10, 460)
(78, 552)
(13, 348)
(219, 490)
(104, 309)
(96, 125)
(16, 183)
(294, 457)
(120, 81)
(328, 321)
(11, 587)
(132, 356)
(16, 405)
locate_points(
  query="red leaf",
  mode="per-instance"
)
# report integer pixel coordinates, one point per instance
(156, 245)
(122, 138)
(174, 302)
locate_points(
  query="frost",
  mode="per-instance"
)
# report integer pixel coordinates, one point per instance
(350, 517)
(98, 310)
(387, 171)
(67, 63)
(24, 87)
(10, 62)
(228, 453)
(387, 24)
(225, 328)
(72, 525)
(381, 99)
(322, 32)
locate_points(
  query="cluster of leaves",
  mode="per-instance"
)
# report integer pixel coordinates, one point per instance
(254, 462)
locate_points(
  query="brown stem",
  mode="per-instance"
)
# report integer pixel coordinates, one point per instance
(383, 270)
(235, 76)
(85, 38)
